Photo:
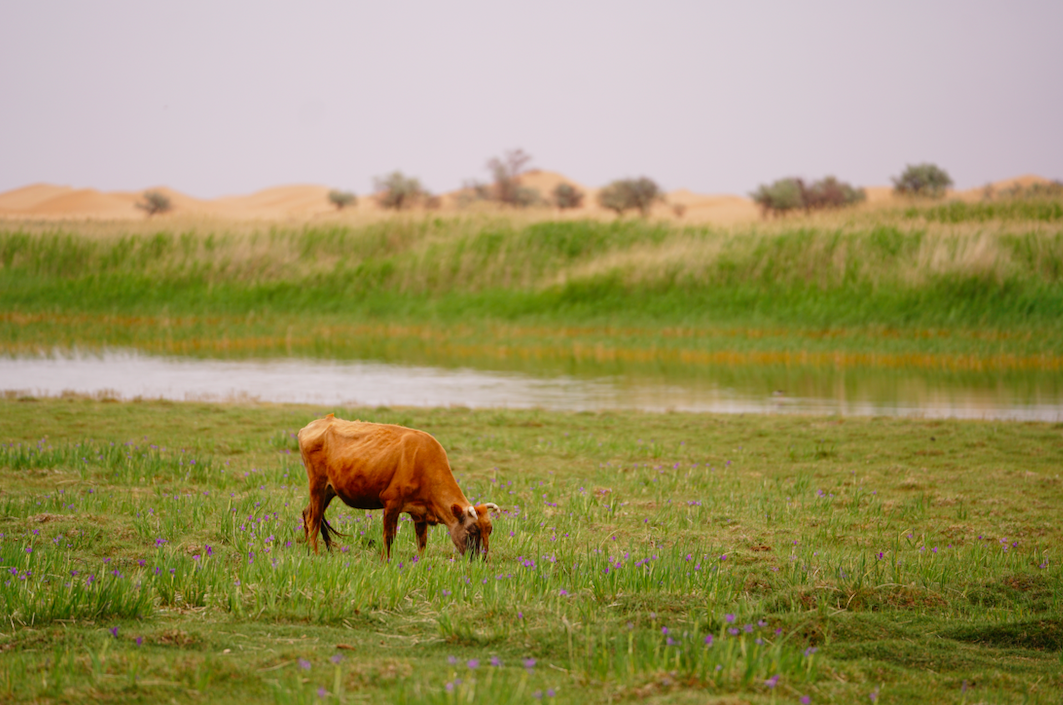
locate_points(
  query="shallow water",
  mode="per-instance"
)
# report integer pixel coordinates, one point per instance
(128, 375)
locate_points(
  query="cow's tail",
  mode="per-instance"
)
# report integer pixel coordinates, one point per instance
(327, 531)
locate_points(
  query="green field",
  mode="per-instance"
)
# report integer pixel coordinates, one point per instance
(152, 553)
(884, 282)
(152, 550)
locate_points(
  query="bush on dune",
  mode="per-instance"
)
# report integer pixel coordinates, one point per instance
(791, 194)
(398, 191)
(567, 196)
(154, 203)
(341, 199)
(630, 194)
(927, 180)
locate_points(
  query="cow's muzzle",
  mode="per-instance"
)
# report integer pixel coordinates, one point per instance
(474, 548)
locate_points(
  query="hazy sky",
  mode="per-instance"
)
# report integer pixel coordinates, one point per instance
(215, 98)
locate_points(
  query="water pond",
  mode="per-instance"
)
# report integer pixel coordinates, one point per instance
(128, 375)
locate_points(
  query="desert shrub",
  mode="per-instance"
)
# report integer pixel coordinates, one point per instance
(525, 196)
(628, 194)
(831, 193)
(154, 202)
(922, 180)
(792, 193)
(341, 199)
(473, 190)
(506, 187)
(398, 191)
(781, 196)
(567, 196)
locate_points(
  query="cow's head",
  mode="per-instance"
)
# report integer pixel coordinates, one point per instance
(472, 533)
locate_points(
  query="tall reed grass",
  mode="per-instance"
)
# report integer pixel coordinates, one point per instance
(820, 273)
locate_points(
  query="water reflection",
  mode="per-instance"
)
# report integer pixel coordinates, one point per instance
(128, 375)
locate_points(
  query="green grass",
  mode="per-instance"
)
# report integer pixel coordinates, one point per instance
(916, 560)
(1012, 209)
(863, 273)
(575, 295)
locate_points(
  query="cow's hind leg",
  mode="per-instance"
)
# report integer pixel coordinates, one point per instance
(391, 527)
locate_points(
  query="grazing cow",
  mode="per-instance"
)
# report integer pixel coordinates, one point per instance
(397, 469)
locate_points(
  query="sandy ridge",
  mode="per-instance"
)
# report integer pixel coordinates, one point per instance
(307, 201)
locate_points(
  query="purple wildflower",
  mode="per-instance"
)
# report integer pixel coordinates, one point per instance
(473, 663)
(773, 681)
(304, 664)
(114, 632)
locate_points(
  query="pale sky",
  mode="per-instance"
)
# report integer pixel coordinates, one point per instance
(216, 98)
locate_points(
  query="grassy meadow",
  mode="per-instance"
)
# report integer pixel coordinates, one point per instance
(895, 283)
(152, 551)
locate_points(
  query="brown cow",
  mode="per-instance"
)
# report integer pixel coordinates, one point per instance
(397, 469)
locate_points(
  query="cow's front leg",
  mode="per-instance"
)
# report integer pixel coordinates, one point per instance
(391, 527)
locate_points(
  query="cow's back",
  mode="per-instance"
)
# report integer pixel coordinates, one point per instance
(361, 460)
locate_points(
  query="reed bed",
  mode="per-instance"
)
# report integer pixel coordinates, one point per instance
(879, 288)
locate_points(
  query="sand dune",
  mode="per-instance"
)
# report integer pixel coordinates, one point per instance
(547, 181)
(302, 202)
(29, 197)
(81, 202)
(278, 202)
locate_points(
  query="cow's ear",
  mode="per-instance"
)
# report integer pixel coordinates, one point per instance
(459, 513)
